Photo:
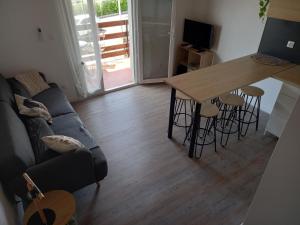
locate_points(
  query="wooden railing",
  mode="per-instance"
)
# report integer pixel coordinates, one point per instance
(118, 49)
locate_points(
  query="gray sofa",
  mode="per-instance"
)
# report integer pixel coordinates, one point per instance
(22, 151)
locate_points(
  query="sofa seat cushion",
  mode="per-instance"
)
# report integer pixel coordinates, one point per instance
(100, 163)
(6, 94)
(55, 101)
(70, 125)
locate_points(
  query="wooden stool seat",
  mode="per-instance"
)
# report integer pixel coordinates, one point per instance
(209, 110)
(61, 202)
(252, 91)
(232, 99)
(182, 96)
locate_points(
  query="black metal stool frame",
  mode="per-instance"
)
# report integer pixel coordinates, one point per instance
(252, 114)
(179, 104)
(233, 117)
(211, 122)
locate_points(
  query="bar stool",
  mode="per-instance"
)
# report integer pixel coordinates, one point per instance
(206, 134)
(184, 107)
(230, 107)
(252, 96)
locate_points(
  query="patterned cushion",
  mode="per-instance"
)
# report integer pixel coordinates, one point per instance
(33, 82)
(62, 144)
(30, 108)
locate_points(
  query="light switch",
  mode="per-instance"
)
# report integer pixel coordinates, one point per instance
(290, 44)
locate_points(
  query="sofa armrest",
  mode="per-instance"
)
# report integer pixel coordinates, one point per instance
(69, 172)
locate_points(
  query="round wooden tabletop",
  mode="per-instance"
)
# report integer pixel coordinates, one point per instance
(253, 91)
(232, 99)
(209, 110)
(61, 202)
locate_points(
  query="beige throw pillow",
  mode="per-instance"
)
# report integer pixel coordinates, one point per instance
(62, 144)
(28, 107)
(32, 81)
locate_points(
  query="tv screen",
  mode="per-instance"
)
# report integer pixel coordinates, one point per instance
(198, 34)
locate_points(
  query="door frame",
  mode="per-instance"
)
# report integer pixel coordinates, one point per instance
(137, 43)
(133, 30)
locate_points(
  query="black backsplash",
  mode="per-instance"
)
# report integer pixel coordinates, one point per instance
(276, 35)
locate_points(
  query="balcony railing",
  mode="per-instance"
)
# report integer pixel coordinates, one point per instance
(108, 51)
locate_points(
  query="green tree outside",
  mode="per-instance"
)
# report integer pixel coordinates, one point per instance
(104, 8)
(110, 7)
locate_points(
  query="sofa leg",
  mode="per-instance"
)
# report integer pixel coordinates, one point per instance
(98, 184)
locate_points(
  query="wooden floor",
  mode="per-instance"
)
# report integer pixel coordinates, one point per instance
(151, 180)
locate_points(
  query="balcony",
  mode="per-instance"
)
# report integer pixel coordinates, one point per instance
(114, 48)
(114, 43)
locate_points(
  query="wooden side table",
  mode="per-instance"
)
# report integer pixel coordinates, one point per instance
(62, 203)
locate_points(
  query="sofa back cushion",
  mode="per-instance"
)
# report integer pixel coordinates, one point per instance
(38, 128)
(16, 154)
(18, 88)
(6, 94)
(32, 81)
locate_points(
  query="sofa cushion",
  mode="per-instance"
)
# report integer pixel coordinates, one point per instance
(55, 100)
(6, 94)
(30, 108)
(33, 82)
(100, 163)
(62, 144)
(38, 128)
(70, 125)
(16, 154)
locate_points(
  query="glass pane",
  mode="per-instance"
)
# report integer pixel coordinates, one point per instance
(156, 25)
(86, 37)
(110, 7)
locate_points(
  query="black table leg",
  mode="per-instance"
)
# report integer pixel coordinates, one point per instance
(196, 121)
(171, 115)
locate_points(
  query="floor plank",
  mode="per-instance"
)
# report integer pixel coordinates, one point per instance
(151, 180)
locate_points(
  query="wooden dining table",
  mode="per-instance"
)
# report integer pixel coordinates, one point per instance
(208, 83)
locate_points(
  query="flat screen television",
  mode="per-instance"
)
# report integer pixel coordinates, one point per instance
(198, 34)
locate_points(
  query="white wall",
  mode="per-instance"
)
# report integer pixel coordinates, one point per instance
(238, 33)
(238, 27)
(277, 199)
(8, 215)
(20, 47)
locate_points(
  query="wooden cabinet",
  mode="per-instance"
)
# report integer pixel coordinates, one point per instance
(193, 59)
(283, 108)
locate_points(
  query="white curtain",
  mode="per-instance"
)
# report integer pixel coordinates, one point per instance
(78, 22)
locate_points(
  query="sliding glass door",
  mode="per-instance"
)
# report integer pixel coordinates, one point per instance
(88, 41)
(155, 18)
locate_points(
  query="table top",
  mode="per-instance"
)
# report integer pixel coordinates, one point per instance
(61, 202)
(291, 76)
(211, 82)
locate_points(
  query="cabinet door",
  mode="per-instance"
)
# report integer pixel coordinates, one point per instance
(283, 108)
